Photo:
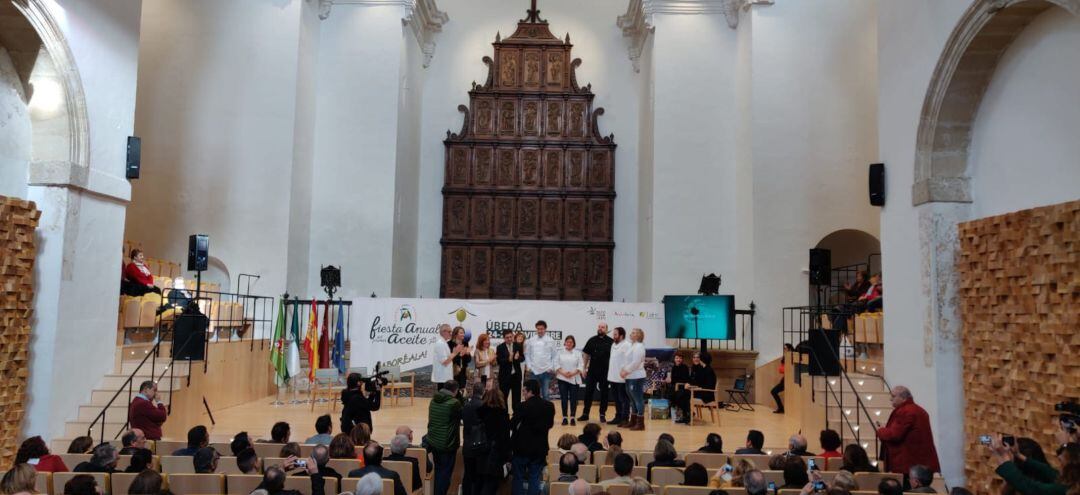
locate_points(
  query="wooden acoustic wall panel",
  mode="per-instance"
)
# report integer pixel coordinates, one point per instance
(529, 180)
(18, 220)
(1019, 290)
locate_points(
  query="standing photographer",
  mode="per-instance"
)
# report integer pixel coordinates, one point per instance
(1010, 460)
(358, 402)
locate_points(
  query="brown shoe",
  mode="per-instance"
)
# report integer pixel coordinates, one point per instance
(627, 423)
(639, 423)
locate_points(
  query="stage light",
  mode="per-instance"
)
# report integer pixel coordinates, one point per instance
(868, 397)
(865, 445)
(877, 413)
(832, 382)
(856, 427)
(860, 383)
(710, 285)
(848, 412)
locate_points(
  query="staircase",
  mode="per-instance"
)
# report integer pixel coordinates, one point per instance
(116, 388)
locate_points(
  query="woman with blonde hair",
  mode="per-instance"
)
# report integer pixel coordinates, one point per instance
(566, 441)
(638, 486)
(634, 374)
(732, 477)
(484, 357)
(19, 480)
(845, 480)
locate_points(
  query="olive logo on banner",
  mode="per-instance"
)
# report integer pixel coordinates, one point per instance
(461, 314)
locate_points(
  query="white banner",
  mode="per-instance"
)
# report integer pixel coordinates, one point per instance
(399, 331)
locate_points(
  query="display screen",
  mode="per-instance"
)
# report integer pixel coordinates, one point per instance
(699, 317)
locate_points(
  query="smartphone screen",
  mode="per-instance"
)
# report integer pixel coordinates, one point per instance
(984, 439)
(812, 465)
(772, 487)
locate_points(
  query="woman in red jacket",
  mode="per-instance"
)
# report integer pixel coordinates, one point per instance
(33, 451)
(137, 279)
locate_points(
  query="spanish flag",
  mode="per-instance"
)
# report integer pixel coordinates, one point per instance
(311, 340)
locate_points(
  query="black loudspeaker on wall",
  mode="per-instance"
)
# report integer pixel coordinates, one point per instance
(824, 352)
(189, 336)
(198, 252)
(820, 266)
(134, 157)
(877, 184)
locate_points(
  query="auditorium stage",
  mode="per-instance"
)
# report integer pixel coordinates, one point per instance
(258, 416)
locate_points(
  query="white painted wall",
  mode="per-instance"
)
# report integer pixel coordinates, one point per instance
(79, 236)
(15, 134)
(407, 172)
(303, 164)
(217, 113)
(1024, 148)
(814, 108)
(598, 42)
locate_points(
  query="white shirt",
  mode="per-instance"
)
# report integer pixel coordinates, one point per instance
(440, 351)
(540, 353)
(489, 357)
(634, 364)
(569, 361)
(619, 356)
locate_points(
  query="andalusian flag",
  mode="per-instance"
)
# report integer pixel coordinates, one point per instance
(324, 337)
(277, 353)
(339, 339)
(311, 340)
(293, 357)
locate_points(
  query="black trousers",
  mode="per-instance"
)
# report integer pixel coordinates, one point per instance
(509, 387)
(592, 382)
(681, 400)
(776, 395)
(470, 481)
(622, 401)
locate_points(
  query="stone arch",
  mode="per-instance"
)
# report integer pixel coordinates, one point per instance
(961, 76)
(851, 246)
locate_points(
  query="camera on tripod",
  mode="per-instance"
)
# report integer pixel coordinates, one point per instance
(378, 379)
(1070, 414)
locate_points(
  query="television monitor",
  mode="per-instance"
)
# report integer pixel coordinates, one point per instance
(699, 317)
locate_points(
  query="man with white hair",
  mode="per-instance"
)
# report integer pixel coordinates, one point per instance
(907, 438)
(369, 484)
(398, 445)
(442, 365)
(579, 487)
(797, 446)
(581, 452)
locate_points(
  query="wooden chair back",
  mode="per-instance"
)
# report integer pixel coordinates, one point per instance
(177, 464)
(242, 484)
(870, 481)
(710, 461)
(196, 484)
(404, 470)
(121, 482)
(61, 479)
(665, 476)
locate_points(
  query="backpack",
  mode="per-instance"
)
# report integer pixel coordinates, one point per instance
(477, 443)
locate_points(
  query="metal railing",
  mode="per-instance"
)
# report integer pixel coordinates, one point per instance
(742, 339)
(834, 293)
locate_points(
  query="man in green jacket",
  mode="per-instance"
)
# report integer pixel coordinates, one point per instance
(444, 434)
(1009, 462)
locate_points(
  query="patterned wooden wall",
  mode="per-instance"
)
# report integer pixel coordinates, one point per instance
(1020, 290)
(18, 219)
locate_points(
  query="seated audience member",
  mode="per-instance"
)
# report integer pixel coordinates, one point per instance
(247, 461)
(830, 444)
(291, 449)
(323, 426)
(579, 487)
(131, 441)
(280, 432)
(612, 452)
(568, 467)
(83, 484)
(136, 279)
(146, 412)
(407, 431)
(102, 460)
(590, 436)
(80, 445)
(845, 480)
(664, 455)
(714, 444)
(398, 446)
(370, 484)
(624, 467)
(876, 301)
(1009, 469)
(755, 440)
(34, 451)
(835, 490)
(614, 438)
(861, 285)
(777, 462)
(639, 486)
(668, 437)
(321, 455)
(240, 443)
(206, 460)
(732, 478)
(373, 464)
(754, 482)
(566, 441)
(360, 434)
(581, 452)
(797, 446)
(795, 475)
(695, 475)
(197, 438)
(856, 460)
(273, 481)
(920, 478)
(147, 483)
(19, 480)
(141, 460)
(178, 299)
(890, 486)
(342, 447)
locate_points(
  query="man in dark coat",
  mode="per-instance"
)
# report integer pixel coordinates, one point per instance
(509, 356)
(530, 426)
(597, 353)
(357, 403)
(373, 464)
(907, 438)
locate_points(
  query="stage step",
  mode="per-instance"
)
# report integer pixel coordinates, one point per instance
(129, 366)
(877, 413)
(78, 428)
(115, 413)
(862, 383)
(116, 382)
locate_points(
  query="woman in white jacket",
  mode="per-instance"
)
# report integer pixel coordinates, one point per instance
(633, 371)
(569, 366)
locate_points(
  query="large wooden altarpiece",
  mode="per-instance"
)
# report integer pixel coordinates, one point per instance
(529, 190)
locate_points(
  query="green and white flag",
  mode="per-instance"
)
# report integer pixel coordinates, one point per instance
(277, 353)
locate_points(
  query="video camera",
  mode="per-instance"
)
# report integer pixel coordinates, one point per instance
(378, 379)
(1070, 414)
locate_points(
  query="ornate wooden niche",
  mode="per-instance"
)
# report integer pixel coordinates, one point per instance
(529, 190)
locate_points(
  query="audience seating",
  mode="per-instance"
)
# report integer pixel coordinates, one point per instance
(343, 466)
(834, 463)
(167, 447)
(698, 490)
(586, 472)
(560, 488)
(870, 481)
(608, 472)
(665, 476)
(349, 485)
(179, 464)
(190, 483)
(72, 460)
(404, 470)
(242, 484)
(302, 484)
(121, 482)
(420, 455)
(710, 461)
(43, 483)
(268, 451)
(760, 461)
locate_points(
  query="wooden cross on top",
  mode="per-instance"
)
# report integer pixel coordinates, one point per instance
(533, 13)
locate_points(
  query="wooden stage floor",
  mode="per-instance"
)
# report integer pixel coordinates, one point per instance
(258, 416)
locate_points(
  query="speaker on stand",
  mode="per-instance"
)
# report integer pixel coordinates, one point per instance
(189, 329)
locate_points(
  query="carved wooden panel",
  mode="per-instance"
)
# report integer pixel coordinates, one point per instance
(529, 180)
